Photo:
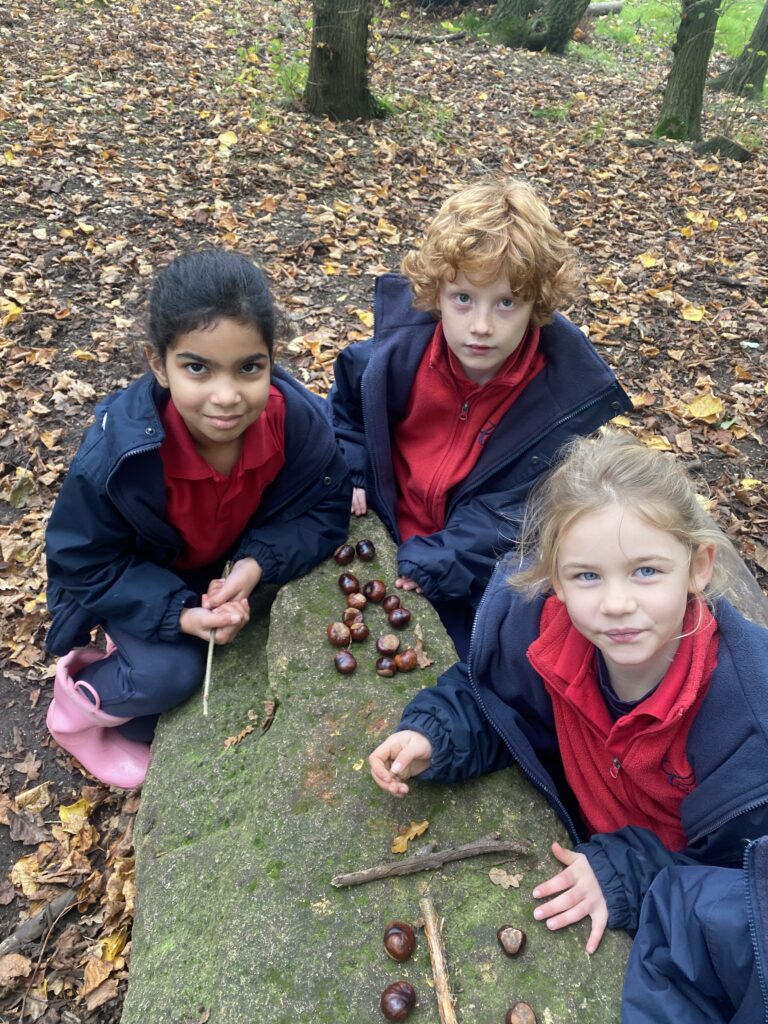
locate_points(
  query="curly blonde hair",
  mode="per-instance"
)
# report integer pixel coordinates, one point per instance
(612, 469)
(498, 226)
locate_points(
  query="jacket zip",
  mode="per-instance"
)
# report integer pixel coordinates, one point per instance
(752, 917)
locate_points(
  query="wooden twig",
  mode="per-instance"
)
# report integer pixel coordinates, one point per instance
(452, 37)
(429, 861)
(433, 931)
(34, 927)
(209, 659)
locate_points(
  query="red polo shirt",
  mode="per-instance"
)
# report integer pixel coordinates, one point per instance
(210, 509)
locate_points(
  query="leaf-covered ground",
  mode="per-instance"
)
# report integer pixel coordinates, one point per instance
(133, 129)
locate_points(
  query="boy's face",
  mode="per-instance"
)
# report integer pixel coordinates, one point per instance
(483, 324)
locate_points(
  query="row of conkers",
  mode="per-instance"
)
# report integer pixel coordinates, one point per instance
(399, 998)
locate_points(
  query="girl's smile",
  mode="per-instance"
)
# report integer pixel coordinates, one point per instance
(626, 586)
(219, 380)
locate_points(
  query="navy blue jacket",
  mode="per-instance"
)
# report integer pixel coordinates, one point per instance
(574, 394)
(110, 549)
(495, 711)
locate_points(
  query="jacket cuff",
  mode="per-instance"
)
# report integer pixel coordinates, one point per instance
(614, 893)
(437, 736)
(169, 626)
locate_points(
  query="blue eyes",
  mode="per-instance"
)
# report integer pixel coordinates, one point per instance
(587, 577)
(644, 572)
(463, 299)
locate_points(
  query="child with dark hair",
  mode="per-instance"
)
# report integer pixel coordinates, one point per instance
(635, 699)
(215, 455)
(469, 386)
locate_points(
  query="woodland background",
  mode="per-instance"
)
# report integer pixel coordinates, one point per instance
(131, 130)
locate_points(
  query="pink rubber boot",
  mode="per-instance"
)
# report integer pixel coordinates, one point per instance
(87, 732)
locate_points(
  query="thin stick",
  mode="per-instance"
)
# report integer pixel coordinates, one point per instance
(432, 928)
(209, 659)
(429, 861)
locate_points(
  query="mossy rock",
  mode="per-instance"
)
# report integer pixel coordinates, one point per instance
(237, 843)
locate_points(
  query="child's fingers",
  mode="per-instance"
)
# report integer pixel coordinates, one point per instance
(599, 924)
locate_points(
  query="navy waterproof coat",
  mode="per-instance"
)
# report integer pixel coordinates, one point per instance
(574, 394)
(495, 711)
(110, 549)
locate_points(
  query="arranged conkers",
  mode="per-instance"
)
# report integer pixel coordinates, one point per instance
(397, 1000)
(345, 663)
(399, 617)
(520, 1013)
(356, 600)
(406, 660)
(375, 590)
(399, 940)
(349, 583)
(386, 666)
(359, 632)
(388, 643)
(338, 634)
(511, 939)
(344, 554)
(366, 552)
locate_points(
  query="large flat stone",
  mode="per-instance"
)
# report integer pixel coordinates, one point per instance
(236, 847)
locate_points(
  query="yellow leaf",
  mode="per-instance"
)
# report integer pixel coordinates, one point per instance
(687, 232)
(113, 945)
(693, 313)
(25, 873)
(36, 799)
(86, 357)
(695, 216)
(74, 816)
(366, 316)
(330, 269)
(648, 260)
(658, 442)
(227, 139)
(740, 214)
(748, 484)
(9, 312)
(40, 234)
(87, 229)
(415, 829)
(706, 407)
(622, 421)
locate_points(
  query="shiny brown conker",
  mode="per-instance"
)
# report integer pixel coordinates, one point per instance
(390, 602)
(349, 583)
(344, 554)
(375, 590)
(399, 617)
(345, 663)
(350, 615)
(359, 632)
(397, 1000)
(356, 600)
(385, 666)
(399, 940)
(366, 552)
(338, 634)
(511, 939)
(406, 660)
(388, 643)
(520, 1013)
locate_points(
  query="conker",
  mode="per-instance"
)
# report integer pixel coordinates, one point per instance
(390, 602)
(375, 590)
(406, 660)
(397, 1000)
(399, 940)
(344, 554)
(385, 666)
(366, 552)
(511, 939)
(388, 643)
(349, 583)
(350, 615)
(356, 600)
(520, 1013)
(399, 617)
(345, 663)
(338, 634)
(359, 631)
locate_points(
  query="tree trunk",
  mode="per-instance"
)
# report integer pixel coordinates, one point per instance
(537, 24)
(337, 85)
(747, 76)
(680, 116)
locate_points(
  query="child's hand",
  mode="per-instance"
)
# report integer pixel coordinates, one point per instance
(581, 896)
(408, 584)
(359, 502)
(226, 620)
(242, 580)
(400, 756)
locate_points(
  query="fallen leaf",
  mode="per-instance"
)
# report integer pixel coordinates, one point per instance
(412, 831)
(503, 878)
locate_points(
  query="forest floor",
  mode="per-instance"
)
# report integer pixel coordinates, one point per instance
(131, 130)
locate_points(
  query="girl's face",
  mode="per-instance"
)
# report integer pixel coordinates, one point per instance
(219, 380)
(626, 584)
